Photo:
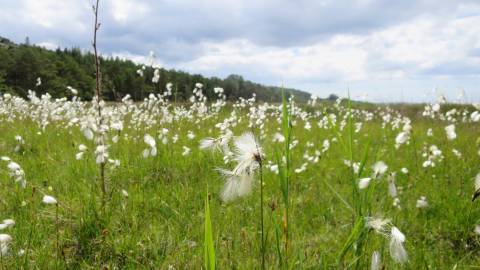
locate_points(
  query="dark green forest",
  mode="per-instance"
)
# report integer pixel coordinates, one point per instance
(22, 64)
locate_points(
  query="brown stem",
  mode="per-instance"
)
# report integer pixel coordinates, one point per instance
(103, 184)
(97, 64)
(98, 77)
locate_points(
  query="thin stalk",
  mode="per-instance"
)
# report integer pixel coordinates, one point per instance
(103, 185)
(414, 147)
(260, 163)
(57, 246)
(287, 134)
(33, 224)
(98, 91)
(97, 63)
(350, 153)
(261, 215)
(277, 238)
(209, 248)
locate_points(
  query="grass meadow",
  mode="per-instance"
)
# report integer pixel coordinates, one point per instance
(152, 214)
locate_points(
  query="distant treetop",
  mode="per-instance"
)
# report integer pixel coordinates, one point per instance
(22, 64)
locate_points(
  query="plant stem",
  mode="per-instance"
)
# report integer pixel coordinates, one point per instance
(97, 65)
(261, 216)
(58, 236)
(98, 90)
(287, 134)
(32, 228)
(259, 159)
(103, 185)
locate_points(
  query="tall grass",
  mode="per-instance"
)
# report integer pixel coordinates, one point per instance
(284, 163)
(165, 221)
(209, 247)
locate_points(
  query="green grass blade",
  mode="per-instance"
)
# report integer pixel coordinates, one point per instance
(278, 246)
(209, 248)
(352, 238)
(349, 207)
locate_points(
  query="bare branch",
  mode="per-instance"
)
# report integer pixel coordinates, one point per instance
(98, 77)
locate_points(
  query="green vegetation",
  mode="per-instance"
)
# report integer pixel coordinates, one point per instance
(159, 216)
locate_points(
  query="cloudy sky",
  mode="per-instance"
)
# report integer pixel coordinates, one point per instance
(379, 50)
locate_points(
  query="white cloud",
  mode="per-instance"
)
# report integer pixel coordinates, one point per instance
(124, 11)
(401, 51)
(427, 42)
(55, 14)
(48, 45)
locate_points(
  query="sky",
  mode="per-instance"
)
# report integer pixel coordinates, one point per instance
(376, 50)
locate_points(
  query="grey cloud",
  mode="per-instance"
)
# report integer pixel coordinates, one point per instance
(268, 23)
(277, 23)
(272, 23)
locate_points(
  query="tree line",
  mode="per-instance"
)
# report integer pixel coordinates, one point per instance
(22, 64)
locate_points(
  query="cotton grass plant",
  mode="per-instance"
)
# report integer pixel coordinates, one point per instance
(347, 185)
(343, 174)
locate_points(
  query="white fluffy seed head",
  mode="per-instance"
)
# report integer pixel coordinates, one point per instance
(397, 251)
(49, 200)
(392, 188)
(82, 148)
(402, 138)
(236, 185)
(450, 130)
(9, 222)
(379, 168)
(477, 230)
(13, 166)
(149, 140)
(248, 154)
(364, 183)
(376, 261)
(379, 225)
(207, 143)
(477, 182)
(422, 202)
(5, 238)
